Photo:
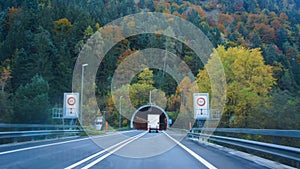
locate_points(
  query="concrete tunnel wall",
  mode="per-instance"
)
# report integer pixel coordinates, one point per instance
(139, 118)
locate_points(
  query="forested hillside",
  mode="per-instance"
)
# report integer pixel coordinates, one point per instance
(40, 41)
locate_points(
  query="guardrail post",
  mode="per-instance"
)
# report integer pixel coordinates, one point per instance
(15, 138)
(275, 140)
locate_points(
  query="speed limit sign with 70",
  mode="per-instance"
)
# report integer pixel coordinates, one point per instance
(201, 105)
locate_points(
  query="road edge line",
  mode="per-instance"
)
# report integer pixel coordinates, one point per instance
(53, 144)
(195, 155)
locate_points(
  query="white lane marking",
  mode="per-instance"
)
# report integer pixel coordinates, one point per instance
(53, 144)
(195, 155)
(111, 152)
(99, 153)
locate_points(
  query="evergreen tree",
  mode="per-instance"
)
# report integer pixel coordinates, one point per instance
(31, 102)
(5, 108)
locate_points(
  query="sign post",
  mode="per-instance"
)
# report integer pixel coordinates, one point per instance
(71, 105)
(201, 106)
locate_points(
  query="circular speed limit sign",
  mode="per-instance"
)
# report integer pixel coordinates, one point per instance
(200, 101)
(71, 101)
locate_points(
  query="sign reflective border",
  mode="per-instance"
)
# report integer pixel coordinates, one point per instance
(201, 101)
(71, 105)
(201, 105)
(71, 101)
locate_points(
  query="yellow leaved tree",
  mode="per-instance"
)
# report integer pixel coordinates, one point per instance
(248, 78)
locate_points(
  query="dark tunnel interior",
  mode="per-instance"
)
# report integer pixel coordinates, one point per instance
(140, 118)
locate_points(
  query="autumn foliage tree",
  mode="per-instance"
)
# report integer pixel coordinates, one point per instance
(62, 25)
(5, 75)
(5, 105)
(249, 81)
(45, 37)
(139, 92)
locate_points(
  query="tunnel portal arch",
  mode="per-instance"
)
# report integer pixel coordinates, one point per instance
(139, 118)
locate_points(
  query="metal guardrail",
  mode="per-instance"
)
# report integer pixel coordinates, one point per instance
(12, 132)
(46, 126)
(266, 132)
(285, 152)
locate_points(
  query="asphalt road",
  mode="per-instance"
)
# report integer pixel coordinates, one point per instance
(124, 150)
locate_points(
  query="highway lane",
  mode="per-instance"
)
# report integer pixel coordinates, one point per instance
(133, 149)
(145, 153)
(221, 159)
(58, 154)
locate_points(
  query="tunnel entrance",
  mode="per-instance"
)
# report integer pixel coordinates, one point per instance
(139, 119)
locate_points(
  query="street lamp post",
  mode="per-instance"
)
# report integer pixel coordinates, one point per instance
(104, 116)
(120, 116)
(81, 94)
